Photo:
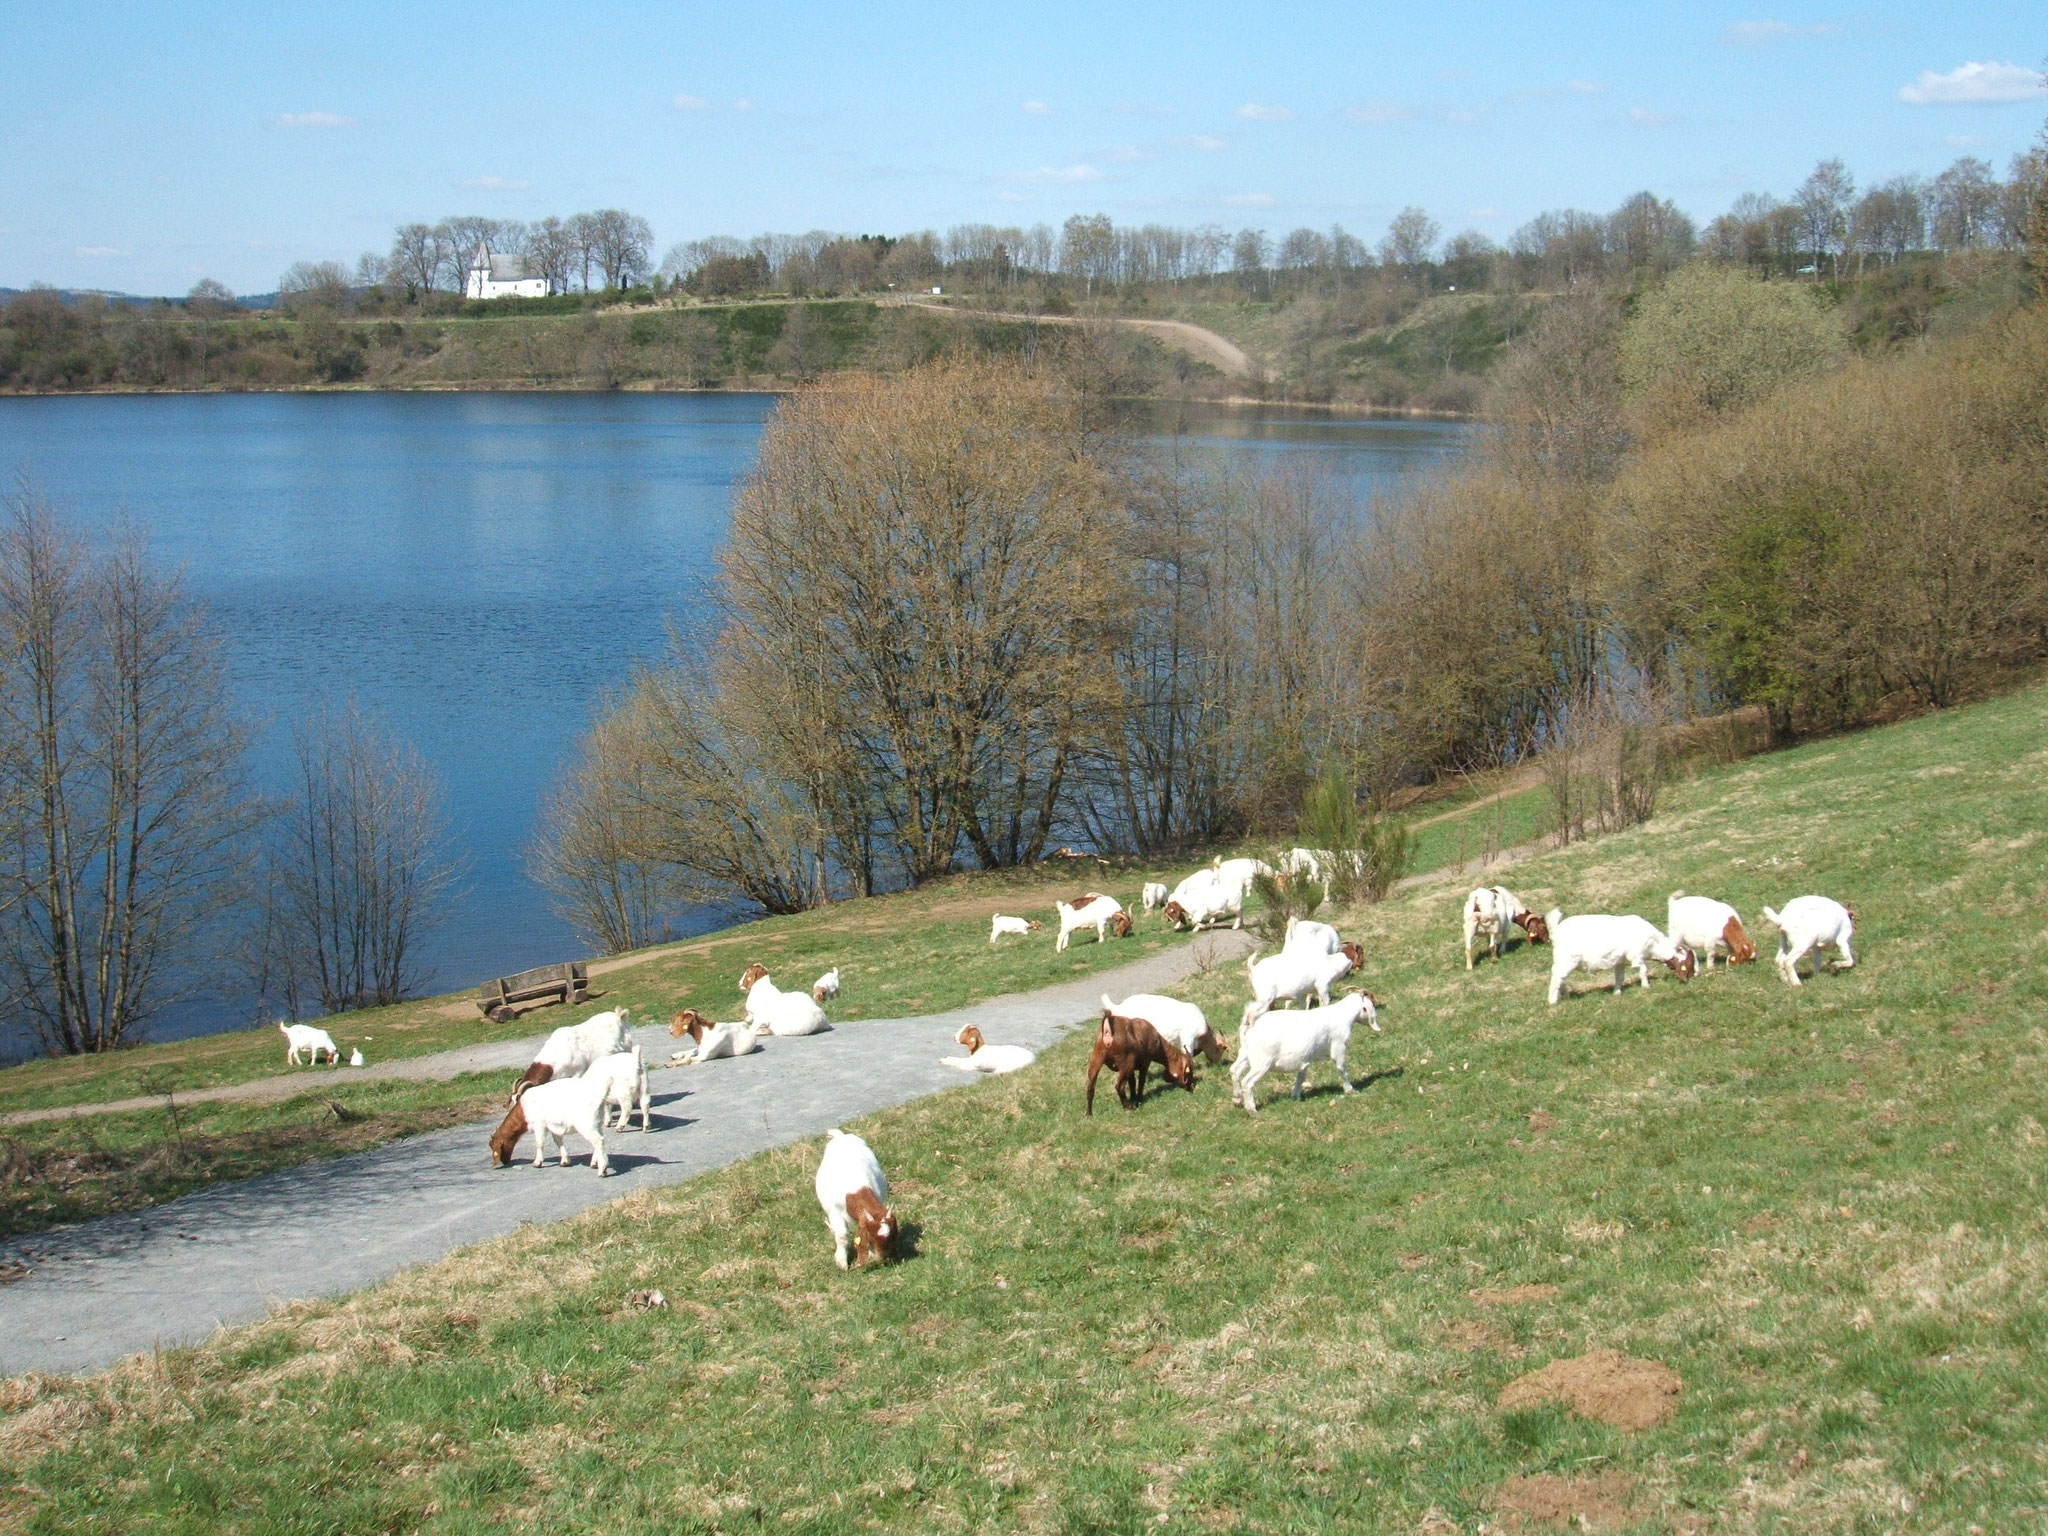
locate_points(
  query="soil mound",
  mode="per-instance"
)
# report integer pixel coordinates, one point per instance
(1606, 1385)
(1572, 1503)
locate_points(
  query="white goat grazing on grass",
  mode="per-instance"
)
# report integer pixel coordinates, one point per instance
(305, 1037)
(1810, 924)
(826, 987)
(1094, 910)
(855, 1198)
(1600, 941)
(1000, 925)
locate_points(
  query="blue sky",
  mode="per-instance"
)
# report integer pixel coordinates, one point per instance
(146, 146)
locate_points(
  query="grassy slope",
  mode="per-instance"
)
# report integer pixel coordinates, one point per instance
(915, 952)
(1821, 1207)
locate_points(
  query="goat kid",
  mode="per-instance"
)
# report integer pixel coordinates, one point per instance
(1131, 1048)
(783, 1013)
(826, 987)
(624, 1076)
(710, 1040)
(555, 1108)
(1155, 894)
(1490, 912)
(1000, 925)
(1292, 975)
(854, 1195)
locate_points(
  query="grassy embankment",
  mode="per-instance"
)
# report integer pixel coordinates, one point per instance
(1821, 1208)
(916, 952)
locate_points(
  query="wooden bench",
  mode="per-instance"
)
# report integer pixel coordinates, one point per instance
(565, 983)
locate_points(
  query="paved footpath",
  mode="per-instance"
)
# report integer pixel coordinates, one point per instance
(174, 1273)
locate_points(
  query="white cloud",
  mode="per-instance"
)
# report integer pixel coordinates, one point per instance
(1058, 175)
(1252, 112)
(314, 120)
(1202, 141)
(1379, 112)
(1643, 117)
(97, 251)
(496, 184)
(1252, 200)
(1759, 34)
(1039, 109)
(691, 104)
(1586, 88)
(1974, 85)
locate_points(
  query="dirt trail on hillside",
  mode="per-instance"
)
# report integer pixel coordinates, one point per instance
(1197, 341)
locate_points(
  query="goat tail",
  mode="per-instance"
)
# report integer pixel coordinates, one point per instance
(1773, 918)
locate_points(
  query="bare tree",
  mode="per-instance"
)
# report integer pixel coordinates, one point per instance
(622, 245)
(1410, 240)
(121, 780)
(360, 867)
(1824, 199)
(596, 848)
(418, 255)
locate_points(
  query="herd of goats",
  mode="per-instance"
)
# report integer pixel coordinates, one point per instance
(587, 1073)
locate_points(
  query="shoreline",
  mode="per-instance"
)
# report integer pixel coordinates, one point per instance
(663, 387)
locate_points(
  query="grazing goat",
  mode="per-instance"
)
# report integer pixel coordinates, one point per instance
(1291, 974)
(826, 987)
(710, 1040)
(1291, 1042)
(312, 1040)
(1155, 894)
(1303, 864)
(1308, 936)
(1094, 910)
(1708, 928)
(983, 1057)
(1182, 1023)
(1597, 941)
(1203, 901)
(1489, 912)
(1240, 872)
(554, 1109)
(1000, 925)
(855, 1198)
(570, 1050)
(783, 1013)
(1130, 1048)
(1808, 924)
(624, 1076)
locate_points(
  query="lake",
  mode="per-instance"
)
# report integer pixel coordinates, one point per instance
(479, 569)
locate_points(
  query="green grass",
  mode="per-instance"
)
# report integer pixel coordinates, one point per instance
(1822, 1208)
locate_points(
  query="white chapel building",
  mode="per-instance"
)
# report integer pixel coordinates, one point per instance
(492, 276)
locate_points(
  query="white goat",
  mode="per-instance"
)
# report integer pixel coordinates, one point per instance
(1000, 925)
(1708, 928)
(1598, 941)
(1155, 894)
(308, 1038)
(855, 1198)
(1290, 1042)
(712, 1041)
(983, 1057)
(1303, 864)
(1808, 924)
(783, 1013)
(562, 1105)
(1307, 936)
(1182, 1024)
(1204, 901)
(826, 987)
(1093, 910)
(1291, 974)
(624, 1076)
(1241, 872)
(570, 1050)
(1490, 912)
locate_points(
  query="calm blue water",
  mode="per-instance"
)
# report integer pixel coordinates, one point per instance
(478, 569)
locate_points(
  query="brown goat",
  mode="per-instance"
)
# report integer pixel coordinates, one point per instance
(1131, 1047)
(875, 1226)
(1741, 948)
(1533, 925)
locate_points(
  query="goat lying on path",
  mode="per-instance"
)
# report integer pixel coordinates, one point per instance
(710, 1040)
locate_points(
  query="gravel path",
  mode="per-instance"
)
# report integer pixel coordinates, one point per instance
(174, 1273)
